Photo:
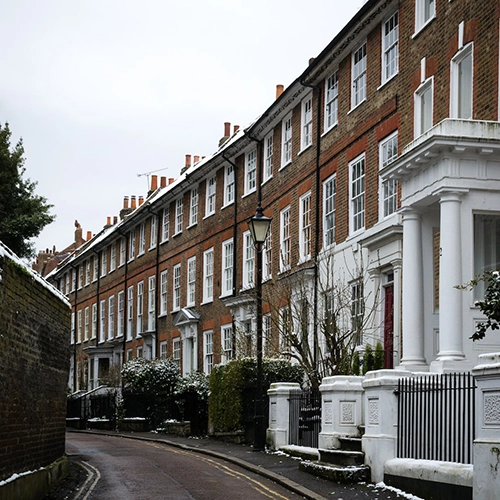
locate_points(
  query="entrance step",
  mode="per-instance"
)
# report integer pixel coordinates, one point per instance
(342, 457)
(337, 473)
(350, 443)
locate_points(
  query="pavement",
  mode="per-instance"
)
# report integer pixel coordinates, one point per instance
(277, 466)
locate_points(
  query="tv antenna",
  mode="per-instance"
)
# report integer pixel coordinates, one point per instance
(148, 174)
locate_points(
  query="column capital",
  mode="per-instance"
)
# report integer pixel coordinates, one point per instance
(410, 213)
(450, 194)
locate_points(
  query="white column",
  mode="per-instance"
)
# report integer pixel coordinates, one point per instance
(450, 275)
(413, 293)
(396, 266)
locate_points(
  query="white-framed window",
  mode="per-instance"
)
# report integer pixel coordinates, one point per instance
(176, 297)
(390, 49)
(66, 280)
(331, 101)
(285, 243)
(178, 216)
(227, 267)
(267, 261)
(305, 227)
(79, 326)
(306, 121)
(357, 193)
(358, 94)
(486, 247)
(129, 354)
(122, 252)
(388, 152)
(461, 83)
(208, 275)
(131, 245)
(208, 354)
(111, 317)
(250, 171)
(142, 238)
(329, 205)
(357, 310)
(102, 321)
(72, 328)
(423, 106)
(163, 350)
(121, 313)
(286, 140)
(176, 351)
(80, 276)
(86, 324)
(140, 352)
(104, 262)
(268, 157)
(112, 257)
(95, 272)
(165, 226)
(193, 209)
(228, 185)
(248, 260)
(140, 306)
(285, 329)
(87, 272)
(73, 280)
(210, 201)
(153, 235)
(227, 343)
(94, 320)
(163, 292)
(151, 303)
(130, 312)
(425, 11)
(191, 281)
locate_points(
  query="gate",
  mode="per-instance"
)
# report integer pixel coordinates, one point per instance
(305, 418)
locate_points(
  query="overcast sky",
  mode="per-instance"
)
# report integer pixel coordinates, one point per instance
(104, 90)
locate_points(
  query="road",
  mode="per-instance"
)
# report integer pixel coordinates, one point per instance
(126, 469)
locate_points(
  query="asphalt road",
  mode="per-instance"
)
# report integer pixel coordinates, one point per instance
(128, 469)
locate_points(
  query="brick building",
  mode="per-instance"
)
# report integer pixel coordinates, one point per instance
(379, 166)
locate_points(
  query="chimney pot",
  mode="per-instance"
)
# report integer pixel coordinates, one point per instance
(141, 200)
(89, 235)
(115, 219)
(227, 129)
(236, 128)
(108, 221)
(163, 182)
(196, 158)
(279, 90)
(188, 161)
(125, 202)
(154, 182)
(133, 203)
(170, 180)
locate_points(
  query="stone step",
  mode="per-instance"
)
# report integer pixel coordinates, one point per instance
(342, 457)
(345, 475)
(350, 443)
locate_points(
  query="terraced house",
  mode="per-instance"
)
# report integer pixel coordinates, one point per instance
(380, 168)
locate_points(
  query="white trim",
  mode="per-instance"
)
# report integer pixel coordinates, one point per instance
(286, 139)
(457, 59)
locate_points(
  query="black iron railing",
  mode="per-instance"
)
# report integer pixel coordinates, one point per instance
(305, 418)
(436, 417)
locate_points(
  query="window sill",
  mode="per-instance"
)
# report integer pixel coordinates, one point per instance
(177, 234)
(162, 315)
(419, 29)
(151, 248)
(163, 241)
(330, 129)
(192, 225)
(265, 181)
(384, 83)
(208, 215)
(205, 302)
(284, 165)
(140, 254)
(357, 106)
(303, 150)
(226, 205)
(248, 193)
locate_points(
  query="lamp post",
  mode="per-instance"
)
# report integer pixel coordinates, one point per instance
(259, 226)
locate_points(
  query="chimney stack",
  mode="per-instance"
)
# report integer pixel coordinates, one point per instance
(196, 159)
(125, 202)
(125, 210)
(236, 128)
(115, 220)
(154, 182)
(141, 200)
(227, 129)
(89, 235)
(188, 161)
(170, 180)
(133, 203)
(163, 182)
(279, 90)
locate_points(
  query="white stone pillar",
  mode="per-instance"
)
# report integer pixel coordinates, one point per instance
(381, 419)
(341, 409)
(279, 414)
(396, 266)
(486, 480)
(451, 356)
(413, 293)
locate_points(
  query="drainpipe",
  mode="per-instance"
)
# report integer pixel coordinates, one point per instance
(98, 295)
(125, 283)
(318, 88)
(74, 325)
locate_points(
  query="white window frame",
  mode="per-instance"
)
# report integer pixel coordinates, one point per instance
(285, 240)
(86, 328)
(163, 293)
(228, 185)
(151, 303)
(457, 85)
(425, 12)
(121, 314)
(112, 257)
(176, 351)
(176, 286)
(79, 326)
(426, 89)
(111, 317)
(178, 216)
(248, 278)
(130, 312)
(87, 272)
(191, 282)
(94, 321)
(286, 140)
(165, 224)
(331, 101)
(153, 235)
(131, 245)
(208, 275)
(163, 349)
(390, 47)
(210, 197)
(329, 210)
(267, 257)
(123, 251)
(208, 351)
(227, 267)
(142, 238)
(388, 152)
(357, 309)
(73, 280)
(227, 343)
(268, 157)
(102, 321)
(140, 307)
(72, 328)
(95, 272)
(193, 207)
(357, 193)
(80, 276)
(358, 76)
(306, 122)
(104, 262)
(250, 171)
(305, 228)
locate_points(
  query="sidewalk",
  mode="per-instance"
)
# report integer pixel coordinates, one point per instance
(278, 467)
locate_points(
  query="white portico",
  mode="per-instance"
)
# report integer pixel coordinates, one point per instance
(450, 198)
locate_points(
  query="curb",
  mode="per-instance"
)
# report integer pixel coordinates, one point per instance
(277, 478)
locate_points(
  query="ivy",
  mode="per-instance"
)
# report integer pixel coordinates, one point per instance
(490, 305)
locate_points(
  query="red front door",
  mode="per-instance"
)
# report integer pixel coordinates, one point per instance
(389, 326)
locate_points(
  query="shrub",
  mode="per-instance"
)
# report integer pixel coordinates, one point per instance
(379, 358)
(356, 363)
(368, 359)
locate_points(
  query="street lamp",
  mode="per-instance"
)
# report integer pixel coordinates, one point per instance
(259, 226)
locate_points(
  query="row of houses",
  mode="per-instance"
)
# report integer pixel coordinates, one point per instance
(380, 168)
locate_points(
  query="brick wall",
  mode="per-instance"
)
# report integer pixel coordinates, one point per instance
(34, 361)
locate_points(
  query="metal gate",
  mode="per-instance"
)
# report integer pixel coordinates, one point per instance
(305, 418)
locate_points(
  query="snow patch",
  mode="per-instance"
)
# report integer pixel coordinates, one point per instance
(16, 475)
(399, 492)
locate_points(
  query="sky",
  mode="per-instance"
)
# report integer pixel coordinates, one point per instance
(104, 91)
